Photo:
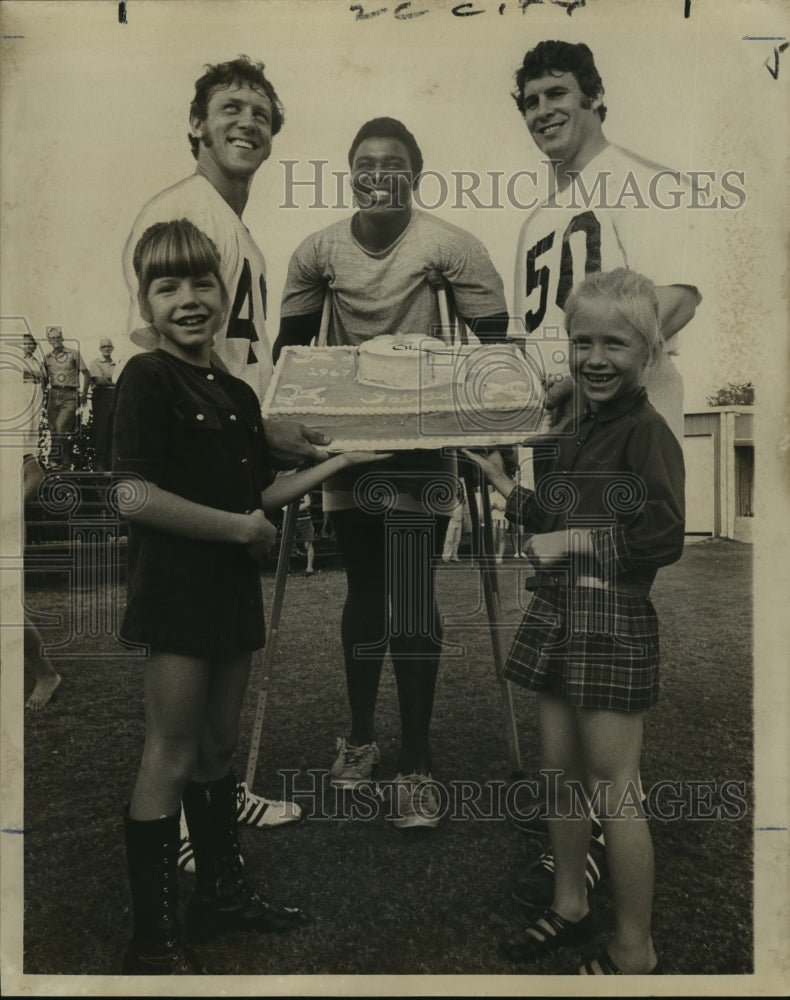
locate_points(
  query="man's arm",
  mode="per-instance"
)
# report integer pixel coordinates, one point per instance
(489, 329)
(676, 307)
(289, 444)
(296, 331)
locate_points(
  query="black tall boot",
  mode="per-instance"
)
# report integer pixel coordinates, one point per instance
(152, 858)
(223, 899)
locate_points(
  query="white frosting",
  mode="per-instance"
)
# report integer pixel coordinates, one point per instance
(404, 361)
(323, 381)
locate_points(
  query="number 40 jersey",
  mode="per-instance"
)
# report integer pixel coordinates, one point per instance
(241, 344)
(620, 211)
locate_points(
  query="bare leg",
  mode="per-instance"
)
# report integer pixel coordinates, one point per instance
(568, 830)
(612, 746)
(514, 531)
(175, 706)
(47, 678)
(501, 539)
(227, 685)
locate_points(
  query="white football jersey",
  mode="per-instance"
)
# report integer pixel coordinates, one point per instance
(611, 217)
(241, 344)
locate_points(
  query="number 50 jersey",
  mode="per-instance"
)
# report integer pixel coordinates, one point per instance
(610, 216)
(241, 344)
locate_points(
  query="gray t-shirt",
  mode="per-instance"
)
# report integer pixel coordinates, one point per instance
(386, 292)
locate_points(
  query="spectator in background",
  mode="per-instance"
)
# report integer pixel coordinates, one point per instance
(64, 399)
(305, 532)
(34, 369)
(505, 530)
(103, 371)
(34, 377)
(455, 529)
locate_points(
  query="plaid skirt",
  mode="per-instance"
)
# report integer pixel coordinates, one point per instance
(593, 648)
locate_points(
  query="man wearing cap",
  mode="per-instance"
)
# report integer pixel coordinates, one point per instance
(64, 399)
(103, 372)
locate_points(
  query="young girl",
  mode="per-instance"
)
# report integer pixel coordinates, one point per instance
(607, 512)
(190, 454)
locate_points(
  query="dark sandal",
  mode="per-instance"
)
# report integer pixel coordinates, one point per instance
(604, 965)
(546, 934)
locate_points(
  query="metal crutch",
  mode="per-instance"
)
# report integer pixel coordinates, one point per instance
(482, 550)
(444, 316)
(280, 581)
(454, 324)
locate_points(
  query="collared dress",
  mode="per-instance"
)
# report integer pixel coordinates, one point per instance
(196, 432)
(590, 634)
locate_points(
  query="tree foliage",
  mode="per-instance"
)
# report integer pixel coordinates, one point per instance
(733, 394)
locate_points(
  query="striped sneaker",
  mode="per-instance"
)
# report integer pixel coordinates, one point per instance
(535, 889)
(255, 810)
(186, 856)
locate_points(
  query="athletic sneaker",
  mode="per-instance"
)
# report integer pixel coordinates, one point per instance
(415, 802)
(186, 856)
(354, 764)
(535, 889)
(255, 810)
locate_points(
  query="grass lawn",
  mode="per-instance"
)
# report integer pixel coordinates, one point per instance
(385, 902)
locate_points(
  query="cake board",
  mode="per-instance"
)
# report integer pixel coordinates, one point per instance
(490, 396)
